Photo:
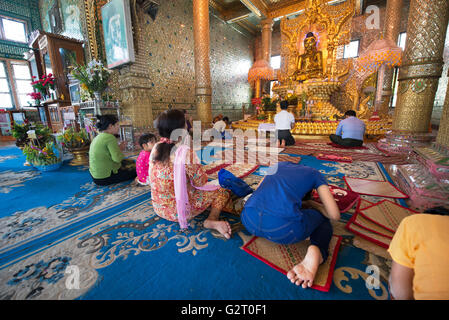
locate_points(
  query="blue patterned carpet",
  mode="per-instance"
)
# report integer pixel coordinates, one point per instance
(54, 225)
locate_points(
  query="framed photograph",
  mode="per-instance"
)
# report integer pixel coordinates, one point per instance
(117, 32)
(74, 90)
(19, 117)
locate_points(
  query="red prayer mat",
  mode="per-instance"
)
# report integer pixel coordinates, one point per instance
(386, 214)
(345, 199)
(240, 170)
(284, 257)
(371, 236)
(343, 147)
(332, 157)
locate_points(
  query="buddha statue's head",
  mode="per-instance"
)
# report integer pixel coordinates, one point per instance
(310, 42)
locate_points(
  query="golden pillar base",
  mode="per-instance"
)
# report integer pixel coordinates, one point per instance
(414, 105)
(204, 110)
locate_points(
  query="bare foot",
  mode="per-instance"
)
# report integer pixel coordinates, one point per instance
(221, 226)
(304, 272)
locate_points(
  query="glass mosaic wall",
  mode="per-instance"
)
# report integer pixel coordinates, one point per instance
(165, 55)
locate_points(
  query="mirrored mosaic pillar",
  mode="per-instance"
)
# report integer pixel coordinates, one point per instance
(203, 90)
(391, 32)
(267, 28)
(443, 131)
(422, 65)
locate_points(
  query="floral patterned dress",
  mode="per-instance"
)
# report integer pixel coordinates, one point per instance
(163, 189)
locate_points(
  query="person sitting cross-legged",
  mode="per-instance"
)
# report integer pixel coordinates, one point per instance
(350, 131)
(107, 163)
(420, 267)
(293, 218)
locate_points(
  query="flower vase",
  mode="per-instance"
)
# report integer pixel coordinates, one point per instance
(80, 156)
(97, 102)
(270, 114)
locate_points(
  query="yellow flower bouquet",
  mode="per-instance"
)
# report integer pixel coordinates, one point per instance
(72, 139)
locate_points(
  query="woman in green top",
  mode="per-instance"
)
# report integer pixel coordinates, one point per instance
(106, 160)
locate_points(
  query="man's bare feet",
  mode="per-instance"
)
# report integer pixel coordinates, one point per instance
(221, 226)
(304, 272)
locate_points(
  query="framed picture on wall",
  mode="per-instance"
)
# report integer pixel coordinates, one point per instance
(117, 31)
(74, 90)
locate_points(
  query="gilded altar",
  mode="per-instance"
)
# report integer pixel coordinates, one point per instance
(309, 56)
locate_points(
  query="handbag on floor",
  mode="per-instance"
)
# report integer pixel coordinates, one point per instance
(237, 186)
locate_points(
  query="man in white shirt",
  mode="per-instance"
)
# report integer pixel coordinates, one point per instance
(220, 126)
(284, 122)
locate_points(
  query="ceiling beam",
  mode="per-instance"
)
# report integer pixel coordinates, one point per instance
(252, 29)
(258, 7)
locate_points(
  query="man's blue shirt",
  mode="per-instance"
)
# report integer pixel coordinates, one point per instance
(351, 127)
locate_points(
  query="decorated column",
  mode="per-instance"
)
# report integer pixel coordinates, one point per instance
(391, 32)
(443, 131)
(267, 28)
(261, 70)
(422, 66)
(203, 90)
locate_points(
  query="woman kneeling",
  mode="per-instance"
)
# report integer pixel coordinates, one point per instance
(293, 219)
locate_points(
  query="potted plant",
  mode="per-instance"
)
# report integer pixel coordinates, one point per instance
(37, 97)
(19, 132)
(77, 142)
(269, 106)
(46, 159)
(43, 85)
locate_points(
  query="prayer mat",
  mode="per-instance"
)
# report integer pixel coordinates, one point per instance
(345, 199)
(332, 157)
(284, 257)
(374, 188)
(240, 170)
(261, 158)
(374, 237)
(260, 149)
(343, 147)
(235, 204)
(369, 225)
(372, 153)
(266, 161)
(363, 203)
(386, 214)
(215, 166)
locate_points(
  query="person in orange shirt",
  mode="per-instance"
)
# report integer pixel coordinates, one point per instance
(420, 253)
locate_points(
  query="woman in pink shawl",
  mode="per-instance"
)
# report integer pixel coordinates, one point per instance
(182, 195)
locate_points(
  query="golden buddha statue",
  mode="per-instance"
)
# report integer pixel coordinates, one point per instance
(309, 64)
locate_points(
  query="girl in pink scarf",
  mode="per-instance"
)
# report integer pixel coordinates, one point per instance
(179, 188)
